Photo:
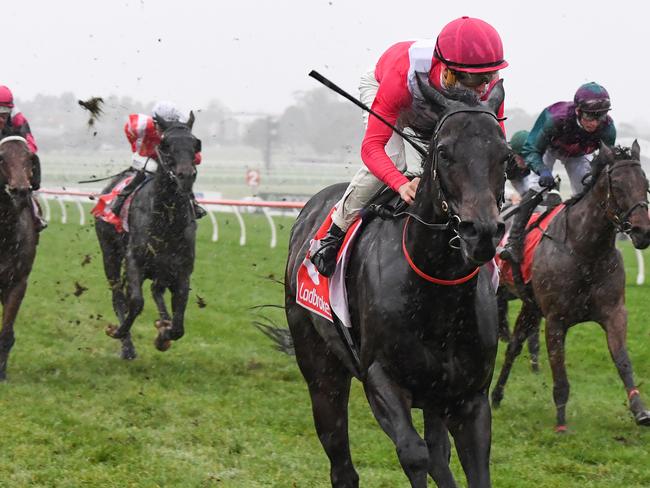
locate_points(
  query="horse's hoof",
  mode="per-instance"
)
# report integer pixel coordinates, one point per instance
(561, 429)
(643, 418)
(162, 346)
(163, 324)
(111, 331)
(128, 355)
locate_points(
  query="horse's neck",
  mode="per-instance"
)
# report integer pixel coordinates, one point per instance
(170, 205)
(590, 233)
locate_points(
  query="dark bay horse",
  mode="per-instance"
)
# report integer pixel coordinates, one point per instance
(422, 345)
(18, 238)
(578, 274)
(160, 243)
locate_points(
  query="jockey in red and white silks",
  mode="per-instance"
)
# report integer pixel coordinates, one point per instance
(388, 88)
(143, 136)
(467, 53)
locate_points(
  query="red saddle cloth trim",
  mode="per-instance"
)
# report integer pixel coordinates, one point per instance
(312, 288)
(533, 238)
(102, 209)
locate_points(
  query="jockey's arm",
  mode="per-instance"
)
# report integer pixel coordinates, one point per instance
(388, 103)
(538, 141)
(24, 130)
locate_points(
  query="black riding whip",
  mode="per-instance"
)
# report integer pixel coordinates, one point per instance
(318, 77)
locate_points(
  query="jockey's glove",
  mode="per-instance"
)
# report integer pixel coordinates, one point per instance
(546, 178)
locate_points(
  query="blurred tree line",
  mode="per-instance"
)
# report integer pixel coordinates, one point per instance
(317, 123)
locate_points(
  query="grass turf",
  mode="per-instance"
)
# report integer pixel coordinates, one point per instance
(223, 408)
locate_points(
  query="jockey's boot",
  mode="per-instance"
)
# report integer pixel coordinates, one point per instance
(39, 222)
(199, 211)
(513, 250)
(325, 257)
(113, 214)
(35, 180)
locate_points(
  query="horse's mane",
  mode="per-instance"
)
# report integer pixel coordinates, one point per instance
(422, 117)
(621, 153)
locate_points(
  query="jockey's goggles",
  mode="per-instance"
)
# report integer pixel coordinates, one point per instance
(472, 80)
(602, 115)
(5, 110)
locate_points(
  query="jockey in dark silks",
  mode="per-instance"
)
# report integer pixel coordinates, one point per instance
(143, 135)
(467, 54)
(569, 132)
(13, 122)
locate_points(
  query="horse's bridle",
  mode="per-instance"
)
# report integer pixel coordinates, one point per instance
(613, 212)
(453, 219)
(162, 155)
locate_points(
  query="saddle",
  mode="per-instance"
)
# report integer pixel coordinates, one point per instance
(102, 209)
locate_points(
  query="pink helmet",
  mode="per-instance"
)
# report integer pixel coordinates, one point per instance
(6, 97)
(470, 45)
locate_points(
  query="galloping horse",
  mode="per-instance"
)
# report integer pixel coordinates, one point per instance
(421, 344)
(18, 239)
(578, 273)
(160, 242)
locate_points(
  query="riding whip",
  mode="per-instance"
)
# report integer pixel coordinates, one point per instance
(318, 77)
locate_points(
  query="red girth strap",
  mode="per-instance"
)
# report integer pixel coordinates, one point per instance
(422, 274)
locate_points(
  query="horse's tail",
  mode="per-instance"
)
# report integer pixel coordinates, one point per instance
(279, 335)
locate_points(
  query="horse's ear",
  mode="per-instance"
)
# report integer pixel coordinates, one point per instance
(430, 93)
(605, 157)
(496, 97)
(636, 151)
(162, 123)
(190, 120)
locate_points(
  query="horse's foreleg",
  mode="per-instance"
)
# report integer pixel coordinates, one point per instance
(11, 299)
(502, 306)
(392, 409)
(328, 381)
(555, 339)
(437, 439)
(471, 426)
(616, 329)
(528, 318)
(134, 302)
(180, 293)
(158, 293)
(533, 347)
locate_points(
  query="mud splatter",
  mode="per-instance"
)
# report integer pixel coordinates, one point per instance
(79, 289)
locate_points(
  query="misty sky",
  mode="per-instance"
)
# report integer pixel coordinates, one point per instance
(255, 55)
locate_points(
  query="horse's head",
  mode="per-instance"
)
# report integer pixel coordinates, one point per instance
(178, 148)
(16, 164)
(625, 189)
(463, 176)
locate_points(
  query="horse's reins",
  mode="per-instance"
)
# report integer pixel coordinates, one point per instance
(613, 213)
(453, 219)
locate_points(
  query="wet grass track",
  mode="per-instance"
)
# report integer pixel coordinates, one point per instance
(223, 408)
